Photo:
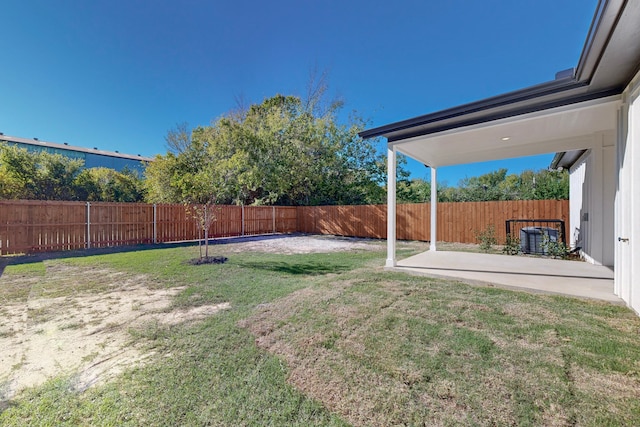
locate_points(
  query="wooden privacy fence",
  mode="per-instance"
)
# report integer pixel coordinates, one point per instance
(40, 226)
(457, 222)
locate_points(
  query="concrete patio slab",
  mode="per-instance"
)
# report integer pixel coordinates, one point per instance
(573, 278)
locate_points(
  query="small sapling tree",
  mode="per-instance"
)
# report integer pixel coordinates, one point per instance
(205, 214)
(201, 191)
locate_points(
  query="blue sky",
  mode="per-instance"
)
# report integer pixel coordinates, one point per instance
(118, 74)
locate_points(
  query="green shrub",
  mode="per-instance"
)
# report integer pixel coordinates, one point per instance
(511, 245)
(487, 238)
(554, 249)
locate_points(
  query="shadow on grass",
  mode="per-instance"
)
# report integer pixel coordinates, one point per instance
(78, 253)
(6, 260)
(297, 268)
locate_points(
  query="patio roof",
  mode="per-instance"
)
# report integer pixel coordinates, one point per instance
(564, 128)
(550, 117)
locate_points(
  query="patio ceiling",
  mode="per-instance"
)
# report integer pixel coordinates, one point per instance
(564, 128)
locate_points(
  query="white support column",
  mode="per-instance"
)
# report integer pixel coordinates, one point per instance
(391, 207)
(434, 209)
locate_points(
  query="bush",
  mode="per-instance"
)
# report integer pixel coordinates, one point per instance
(554, 249)
(487, 238)
(511, 245)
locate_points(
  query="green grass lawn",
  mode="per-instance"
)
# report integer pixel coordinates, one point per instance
(332, 339)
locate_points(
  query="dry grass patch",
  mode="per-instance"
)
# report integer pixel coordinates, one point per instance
(387, 351)
(525, 313)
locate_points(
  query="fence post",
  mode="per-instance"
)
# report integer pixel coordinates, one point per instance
(88, 225)
(242, 219)
(155, 226)
(274, 219)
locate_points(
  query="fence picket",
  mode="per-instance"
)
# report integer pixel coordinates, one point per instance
(38, 226)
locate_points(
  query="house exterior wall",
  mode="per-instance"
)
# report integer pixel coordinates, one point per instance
(627, 197)
(591, 193)
(577, 183)
(608, 198)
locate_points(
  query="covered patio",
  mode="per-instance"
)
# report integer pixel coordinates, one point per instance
(533, 274)
(587, 123)
(584, 124)
(592, 109)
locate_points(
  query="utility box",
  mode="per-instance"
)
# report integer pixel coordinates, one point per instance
(532, 239)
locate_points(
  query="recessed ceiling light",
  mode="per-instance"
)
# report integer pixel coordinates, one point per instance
(505, 138)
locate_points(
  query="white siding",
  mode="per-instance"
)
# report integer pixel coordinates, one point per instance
(577, 196)
(591, 193)
(608, 214)
(627, 199)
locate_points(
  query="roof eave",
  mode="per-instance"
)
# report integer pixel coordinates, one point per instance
(556, 159)
(532, 92)
(554, 93)
(566, 159)
(490, 116)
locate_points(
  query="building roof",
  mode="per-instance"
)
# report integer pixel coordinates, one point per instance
(609, 60)
(566, 159)
(64, 146)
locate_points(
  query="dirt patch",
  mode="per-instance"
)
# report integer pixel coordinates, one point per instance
(76, 320)
(297, 244)
(84, 334)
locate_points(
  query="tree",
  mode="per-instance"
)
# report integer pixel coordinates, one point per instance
(551, 184)
(190, 177)
(37, 175)
(203, 210)
(109, 185)
(483, 188)
(158, 176)
(285, 150)
(178, 139)
(46, 176)
(17, 169)
(496, 185)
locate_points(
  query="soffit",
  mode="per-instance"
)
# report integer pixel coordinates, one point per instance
(558, 129)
